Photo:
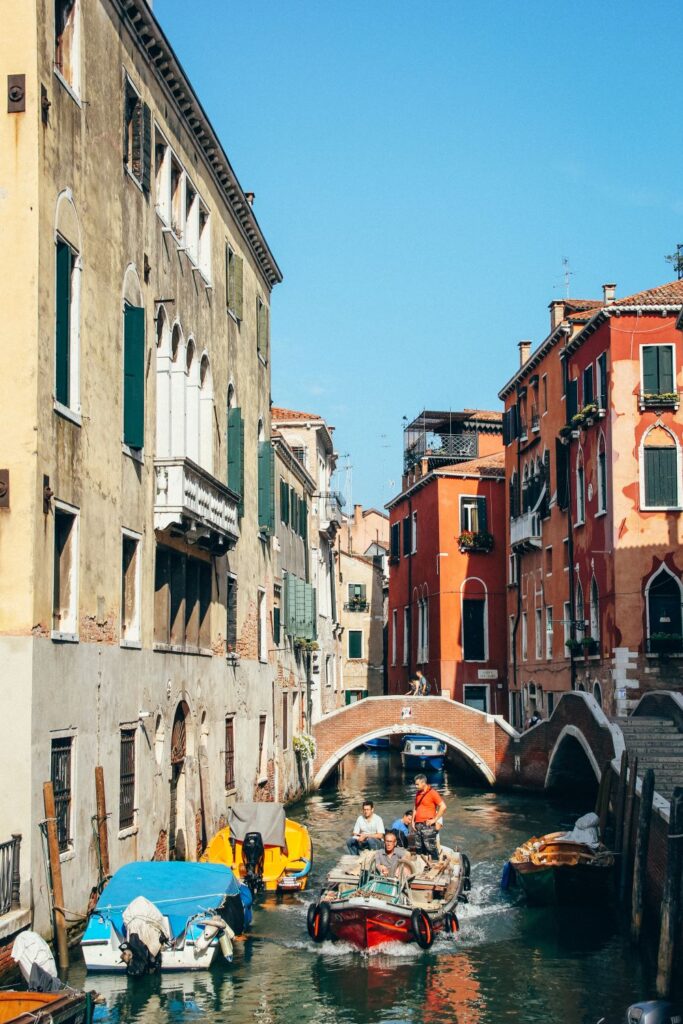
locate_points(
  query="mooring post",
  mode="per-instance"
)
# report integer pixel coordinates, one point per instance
(56, 872)
(626, 843)
(621, 799)
(671, 897)
(102, 834)
(602, 805)
(640, 859)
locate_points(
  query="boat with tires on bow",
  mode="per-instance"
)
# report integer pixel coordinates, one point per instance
(263, 848)
(367, 909)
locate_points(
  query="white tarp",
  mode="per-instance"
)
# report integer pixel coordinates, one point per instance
(29, 949)
(147, 922)
(586, 830)
(268, 819)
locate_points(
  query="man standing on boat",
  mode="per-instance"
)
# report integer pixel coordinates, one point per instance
(368, 832)
(429, 809)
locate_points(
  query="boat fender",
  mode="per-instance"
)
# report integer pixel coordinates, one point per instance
(318, 920)
(225, 942)
(451, 925)
(508, 877)
(422, 928)
(467, 885)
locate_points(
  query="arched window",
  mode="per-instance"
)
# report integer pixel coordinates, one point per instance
(133, 362)
(660, 469)
(602, 474)
(525, 488)
(192, 402)
(163, 374)
(595, 610)
(205, 414)
(514, 511)
(663, 597)
(580, 490)
(177, 406)
(68, 266)
(597, 693)
(580, 612)
(474, 620)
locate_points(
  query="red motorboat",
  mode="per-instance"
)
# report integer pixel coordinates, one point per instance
(368, 909)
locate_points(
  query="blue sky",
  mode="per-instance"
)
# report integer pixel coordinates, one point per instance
(422, 169)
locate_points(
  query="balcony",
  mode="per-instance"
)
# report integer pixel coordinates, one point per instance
(525, 532)
(357, 606)
(190, 501)
(330, 512)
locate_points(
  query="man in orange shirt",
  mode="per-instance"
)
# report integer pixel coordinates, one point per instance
(429, 808)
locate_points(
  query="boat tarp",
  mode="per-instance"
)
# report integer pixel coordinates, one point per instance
(179, 889)
(586, 830)
(268, 819)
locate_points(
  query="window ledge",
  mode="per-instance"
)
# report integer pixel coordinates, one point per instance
(126, 833)
(131, 645)
(599, 515)
(262, 360)
(69, 88)
(131, 177)
(234, 316)
(582, 522)
(655, 657)
(232, 791)
(137, 454)
(232, 659)
(68, 414)
(661, 508)
(65, 638)
(66, 855)
(204, 652)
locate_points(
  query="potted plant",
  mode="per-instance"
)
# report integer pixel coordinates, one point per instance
(565, 434)
(475, 540)
(573, 646)
(589, 412)
(304, 747)
(664, 644)
(589, 645)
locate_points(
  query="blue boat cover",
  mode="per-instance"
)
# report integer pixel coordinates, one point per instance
(179, 890)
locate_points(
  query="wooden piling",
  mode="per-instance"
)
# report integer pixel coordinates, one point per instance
(670, 918)
(627, 843)
(102, 834)
(604, 792)
(640, 858)
(59, 916)
(621, 800)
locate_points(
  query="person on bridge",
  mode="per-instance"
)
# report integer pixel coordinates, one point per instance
(424, 687)
(368, 832)
(402, 827)
(429, 810)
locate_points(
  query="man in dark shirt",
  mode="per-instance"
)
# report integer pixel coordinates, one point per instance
(388, 861)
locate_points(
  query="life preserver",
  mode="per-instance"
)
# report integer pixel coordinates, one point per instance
(451, 925)
(422, 928)
(318, 920)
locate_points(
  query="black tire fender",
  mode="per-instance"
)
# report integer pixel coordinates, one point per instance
(466, 869)
(422, 928)
(451, 925)
(318, 920)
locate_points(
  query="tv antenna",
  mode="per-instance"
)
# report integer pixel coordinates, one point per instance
(567, 275)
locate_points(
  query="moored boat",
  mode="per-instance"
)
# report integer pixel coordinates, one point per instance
(423, 753)
(564, 867)
(367, 909)
(175, 916)
(263, 848)
(67, 1007)
(379, 743)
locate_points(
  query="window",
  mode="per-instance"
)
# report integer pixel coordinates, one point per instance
(406, 634)
(231, 625)
(262, 760)
(538, 636)
(512, 570)
(197, 604)
(262, 329)
(266, 487)
(664, 614)
(137, 136)
(474, 629)
(355, 644)
(549, 633)
(162, 176)
(262, 636)
(544, 392)
(524, 636)
(284, 502)
(511, 627)
(182, 600)
(550, 696)
(549, 561)
(68, 41)
(235, 448)
(657, 369)
(595, 610)
(580, 491)
(601, 390)
(414, 532)
(133, 376)
(660, 470)
(177, 204)
(204, 250)
(229, 753)
(423, 631)
(406, 536)
(67, 326)
(234, 287)
(473, 514)
(357, 597)
(394, 638)
(580, 611)
(285, 721)
(294, 509)
(130, 588)
(65, 573)
(588, 394)
(61, 778)
(476, 696)
(191, 221)
(602, 474)
(565, 553)
(566, 625)
(395, 540)
(127, 779)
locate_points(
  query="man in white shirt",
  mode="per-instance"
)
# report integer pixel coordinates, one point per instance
(368, 832)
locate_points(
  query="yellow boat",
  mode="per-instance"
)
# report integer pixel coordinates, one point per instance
(263, 848)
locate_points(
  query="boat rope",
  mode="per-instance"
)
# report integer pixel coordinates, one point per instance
(74, 914)
(171, 901)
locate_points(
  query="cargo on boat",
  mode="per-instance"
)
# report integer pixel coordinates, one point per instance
(67, 1007)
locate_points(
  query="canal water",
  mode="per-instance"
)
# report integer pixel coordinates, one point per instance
(509, 962)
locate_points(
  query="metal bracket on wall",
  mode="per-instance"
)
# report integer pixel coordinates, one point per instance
(16, 94)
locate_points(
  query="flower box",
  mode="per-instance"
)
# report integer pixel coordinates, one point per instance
(475, 540)
(589, 646)
(663, 399)
(665, 643)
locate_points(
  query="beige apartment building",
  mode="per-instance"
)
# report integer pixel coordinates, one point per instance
(137, 492)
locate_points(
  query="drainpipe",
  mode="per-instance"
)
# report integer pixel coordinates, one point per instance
(570, 556)
(410, 588)
(518, 564)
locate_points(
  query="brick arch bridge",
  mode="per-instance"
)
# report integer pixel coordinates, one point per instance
(574, 744)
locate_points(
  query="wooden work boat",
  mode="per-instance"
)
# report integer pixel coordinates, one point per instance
(366, 909)
(66, 1007)
(554, 869)
(274, 855)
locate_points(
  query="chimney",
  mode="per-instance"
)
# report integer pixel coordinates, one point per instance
(524, 351)
(357, 514)
(556, 313)
(609, 293)
(250, 197)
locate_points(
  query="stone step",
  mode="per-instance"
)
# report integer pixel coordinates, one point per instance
(645, 725)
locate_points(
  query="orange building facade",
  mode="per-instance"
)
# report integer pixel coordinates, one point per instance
(447, 560)
(593, 437)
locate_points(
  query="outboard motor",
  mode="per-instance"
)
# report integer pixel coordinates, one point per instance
(655, 1011)
(252, 858)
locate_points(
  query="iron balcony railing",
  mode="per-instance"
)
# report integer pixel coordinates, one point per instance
(10, 876)
(356, 606)
(441, 448)
(331, 505)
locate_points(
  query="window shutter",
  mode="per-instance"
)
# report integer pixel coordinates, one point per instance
(304, 519)
(290, 605)
(362, 592)
(266, 487)
(238, 293)
(482, 524)
(134, 376)
(355, 643)
(63, 330)
(473, 629)
(236, 455)
(650, 370)
(572, 399)
(562, 463)
(276, 625)
(406, 536)
(146, 147)
(293, 510)
(661, 489)
(262, 329)
(506, 428)
(232, 615)
(548, 485)
(602, 363)
(588, 385)
(395, 540)
(666, 370)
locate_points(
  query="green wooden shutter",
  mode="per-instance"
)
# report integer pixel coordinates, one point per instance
(63, 330)
(562, 469)
(588, 385)
(236, 455)
(666, 370)
(146, 147)
(661, 486)
(238, 296)
(650, 370)
(355, 643)
(290, 604)
(276, 625)
(309, 613)
(482, 524)
(134, 376)
(266, 487)
(284, 502)
(602, 364)
(572, 399)
(548, 486)
(262, 329)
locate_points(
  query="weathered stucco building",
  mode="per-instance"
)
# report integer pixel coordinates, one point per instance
(137, 524)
